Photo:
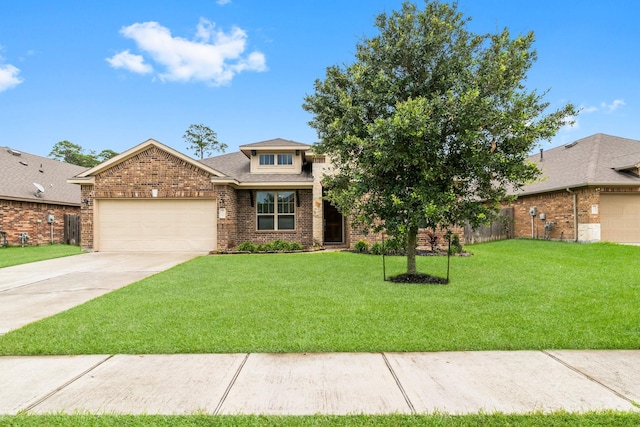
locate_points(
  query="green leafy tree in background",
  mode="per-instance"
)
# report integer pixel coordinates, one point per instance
(431, 123)
(69, 152)
(203, 140)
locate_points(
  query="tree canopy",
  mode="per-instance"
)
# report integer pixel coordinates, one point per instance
(430, 124)
(69, 152)
(203, 140)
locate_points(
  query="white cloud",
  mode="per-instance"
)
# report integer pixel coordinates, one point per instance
(610, 108)
(131, 62)
(9, 77)
(213, 56)
(607, 108)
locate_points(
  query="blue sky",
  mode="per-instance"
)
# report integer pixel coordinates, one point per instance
(111, 74)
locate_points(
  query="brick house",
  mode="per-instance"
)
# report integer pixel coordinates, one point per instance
(154, 198)
(25, 208)
(589, 191)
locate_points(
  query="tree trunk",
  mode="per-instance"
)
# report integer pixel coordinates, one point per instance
(412, 242)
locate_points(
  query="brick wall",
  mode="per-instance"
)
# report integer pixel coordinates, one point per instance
(227, 226)
(86, 217)
(559, 211)
(154, 169)
(247, 227)
(28, 217)
(356, 234)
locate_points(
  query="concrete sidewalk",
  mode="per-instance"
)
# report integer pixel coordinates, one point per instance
(33, 291)
(323, 383)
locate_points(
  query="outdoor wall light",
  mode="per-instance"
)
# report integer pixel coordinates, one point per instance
(85, 202)
(253, 153)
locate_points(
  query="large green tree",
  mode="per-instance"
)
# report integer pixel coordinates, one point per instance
(203, 140)
(69, 152)
(430, 124)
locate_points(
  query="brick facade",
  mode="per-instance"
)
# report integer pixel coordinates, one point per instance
(558, 208)
(30, 217)
(137, 176)
(247, 221)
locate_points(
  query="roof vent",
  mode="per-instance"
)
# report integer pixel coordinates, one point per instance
(22, 162)
(14, 152)
(571, 145)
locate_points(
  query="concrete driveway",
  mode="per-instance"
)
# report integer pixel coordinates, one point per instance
(31, 292)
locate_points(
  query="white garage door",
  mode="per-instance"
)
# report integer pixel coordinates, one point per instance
(164, 225)
(620, 218)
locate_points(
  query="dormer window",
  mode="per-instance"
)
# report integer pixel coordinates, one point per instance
(266, 159)
(285, 159)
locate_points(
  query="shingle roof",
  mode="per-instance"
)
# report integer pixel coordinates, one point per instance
(237, 166)
(19, 172)
(589, 161)
(277, 142)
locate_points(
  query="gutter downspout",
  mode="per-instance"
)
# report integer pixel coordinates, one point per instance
(575, 214)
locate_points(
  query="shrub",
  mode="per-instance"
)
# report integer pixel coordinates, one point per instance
(280, 246)
(361, 247)
(456, 246)
(377, 248)
(295, 246)
(246, 247)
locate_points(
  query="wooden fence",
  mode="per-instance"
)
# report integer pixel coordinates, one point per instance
(72, 229)
(500, 229)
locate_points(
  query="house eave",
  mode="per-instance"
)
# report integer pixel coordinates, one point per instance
(140, 148)
(43, 201)
(573, 186)
(82, 181)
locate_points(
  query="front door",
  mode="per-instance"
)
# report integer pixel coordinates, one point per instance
(333, 224)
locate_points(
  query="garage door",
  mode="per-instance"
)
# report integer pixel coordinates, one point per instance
(620, 218)
(164, 225)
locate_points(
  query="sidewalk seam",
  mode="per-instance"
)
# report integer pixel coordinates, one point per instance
(231, 384)
(589, 377)
(63, 386)
(399, 384)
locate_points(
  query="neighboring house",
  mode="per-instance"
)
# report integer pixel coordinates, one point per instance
(24, 208)
(154, 198)
(589, 191)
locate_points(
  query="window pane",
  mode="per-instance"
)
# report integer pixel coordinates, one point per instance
(285, 159)
(266, 159)
(265, 201)
(286, 222)
(265, 222)
(286, 202)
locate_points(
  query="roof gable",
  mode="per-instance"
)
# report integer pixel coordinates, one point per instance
(21, 170)
(138, 149)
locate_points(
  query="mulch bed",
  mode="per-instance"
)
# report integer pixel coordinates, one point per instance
(421, 278)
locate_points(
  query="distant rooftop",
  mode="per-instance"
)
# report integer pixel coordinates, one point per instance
(21, 171)
(595, 160)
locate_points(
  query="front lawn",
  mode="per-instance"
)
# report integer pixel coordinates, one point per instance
(517, 294)
(610, 419)
(14, 255)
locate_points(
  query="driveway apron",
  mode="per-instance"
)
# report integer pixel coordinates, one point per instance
(31, 292)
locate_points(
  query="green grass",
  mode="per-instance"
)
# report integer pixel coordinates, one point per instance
(14, 255)
(611, 419)
(510, 295)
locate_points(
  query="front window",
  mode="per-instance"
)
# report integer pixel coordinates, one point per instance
(276, 210)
